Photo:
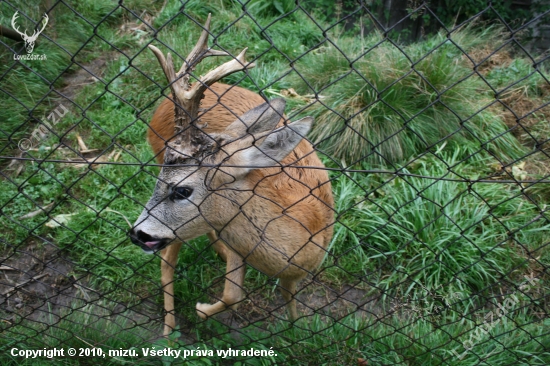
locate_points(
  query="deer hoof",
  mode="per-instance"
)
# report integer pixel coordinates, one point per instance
(202, 310)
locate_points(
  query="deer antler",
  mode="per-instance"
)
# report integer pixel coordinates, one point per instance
(16, 28)
(189, 96)
(45, 20)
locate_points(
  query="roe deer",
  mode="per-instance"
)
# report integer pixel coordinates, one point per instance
(233, 170)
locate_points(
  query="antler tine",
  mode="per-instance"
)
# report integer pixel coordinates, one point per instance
(167, 67)
(237, 64)
(200, 51)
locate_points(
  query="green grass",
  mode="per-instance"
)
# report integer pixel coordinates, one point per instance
(412, 235)
(395, 339)
(417, 241)
(385, 104)
(84, 326)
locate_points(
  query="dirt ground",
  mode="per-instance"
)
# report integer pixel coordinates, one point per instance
(265, 306)
(39, 283)
(33, 278)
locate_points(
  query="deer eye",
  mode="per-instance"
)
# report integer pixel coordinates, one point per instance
(180, 193)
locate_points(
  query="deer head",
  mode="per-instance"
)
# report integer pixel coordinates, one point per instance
(203, 182)
(29, 40)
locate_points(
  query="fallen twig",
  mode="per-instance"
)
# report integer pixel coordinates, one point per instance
(37, 212)
(81, 143)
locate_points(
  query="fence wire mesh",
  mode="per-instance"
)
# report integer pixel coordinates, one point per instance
(415, 226)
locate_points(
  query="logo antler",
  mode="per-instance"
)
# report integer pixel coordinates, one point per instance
(29, 40)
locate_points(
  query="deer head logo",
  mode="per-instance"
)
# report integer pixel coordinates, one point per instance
(29, 40)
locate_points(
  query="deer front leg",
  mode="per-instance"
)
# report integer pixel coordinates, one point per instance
(233, 290)
(167, 267)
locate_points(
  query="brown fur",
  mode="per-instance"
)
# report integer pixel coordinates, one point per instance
(301, 196)
(223, 103)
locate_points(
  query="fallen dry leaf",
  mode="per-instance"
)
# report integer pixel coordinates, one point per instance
(59, 220)
(518, 172)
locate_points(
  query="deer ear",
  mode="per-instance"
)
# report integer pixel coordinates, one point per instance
(266, 149)
(277, 144)
(264, 117)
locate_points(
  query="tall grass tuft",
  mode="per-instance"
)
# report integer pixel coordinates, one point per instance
(384, 103)
(413, 236)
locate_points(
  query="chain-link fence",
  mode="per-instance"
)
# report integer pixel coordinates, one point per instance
(409, 227)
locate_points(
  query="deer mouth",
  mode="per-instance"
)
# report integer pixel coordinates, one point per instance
(154, 246)
(150, 247)
(147, 242)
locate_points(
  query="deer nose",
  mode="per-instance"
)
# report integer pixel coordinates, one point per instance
(147, 242)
